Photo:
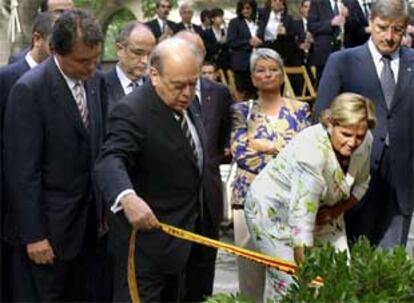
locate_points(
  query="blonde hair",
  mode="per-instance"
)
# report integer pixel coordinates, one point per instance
(349, 109)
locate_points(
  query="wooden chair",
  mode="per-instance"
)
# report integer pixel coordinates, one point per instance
(221, 76)
(288, 91)
(232, 84)
(308, 91)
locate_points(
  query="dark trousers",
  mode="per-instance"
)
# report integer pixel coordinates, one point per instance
(199, 274)
(153, 284)
(378, 217)
(60, 281)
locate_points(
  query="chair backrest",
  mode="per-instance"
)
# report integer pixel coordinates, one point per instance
(232, 84)
(288, 89)
(221, 76)
(308, 90)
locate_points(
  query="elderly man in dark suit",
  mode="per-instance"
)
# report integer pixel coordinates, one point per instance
(134, 44)
(213, 101)
(54, 124)
(152, 168)
(161, 27)
(384, 72)
(9, 74)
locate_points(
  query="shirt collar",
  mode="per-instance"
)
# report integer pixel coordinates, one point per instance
(377, 56)
(70, 81)
(30, 61)
(125, 81)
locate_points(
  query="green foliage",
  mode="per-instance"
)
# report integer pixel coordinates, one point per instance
(148, 7)
(228, 298)
(118, 21)
(369, 276)
(373, 276)
(94, 5)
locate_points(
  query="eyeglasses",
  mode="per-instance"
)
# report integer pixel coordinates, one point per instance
(137, 51)
(165, 6)
(396, 29)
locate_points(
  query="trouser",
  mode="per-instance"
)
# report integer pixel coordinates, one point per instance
(251, 275)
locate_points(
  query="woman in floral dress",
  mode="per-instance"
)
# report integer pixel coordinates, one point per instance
(260, 129)
(299, 199)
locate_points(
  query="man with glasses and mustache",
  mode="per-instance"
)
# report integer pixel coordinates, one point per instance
(161, 27)
(133, 44)
(382, 71)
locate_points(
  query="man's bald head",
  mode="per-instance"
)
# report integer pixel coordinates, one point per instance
(195, 40)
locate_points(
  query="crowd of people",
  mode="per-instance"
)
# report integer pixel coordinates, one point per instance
(87, 155)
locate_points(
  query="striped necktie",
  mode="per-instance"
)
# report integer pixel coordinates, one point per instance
(81, 102)
(387, 80)
(187, 133)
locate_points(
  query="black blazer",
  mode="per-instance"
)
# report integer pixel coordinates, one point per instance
(9, 74)
(155, 27)
(300, 36)
(238, 36)
(215, 112)
(197, 28)
(147, 151)
(114, 88)
(18, 56)
(217, 53)
(48, 156)
(355, 34)
(353, 70)
(284, 44)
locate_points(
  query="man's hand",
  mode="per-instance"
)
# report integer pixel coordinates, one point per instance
(281, 30)
(338, 20)
(138, 212)
(40, 252)
(255, 41)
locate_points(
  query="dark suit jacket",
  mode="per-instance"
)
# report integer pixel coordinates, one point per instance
(48, 156)
(147, 151)
(299, 36)
(20, 55)
(284, 44)
(238, 36)
(355, 29)
(157, 31)
(197, 28)
(353, 70)
(114, 87)
(319, 24)
(217, 53)
(9, 74)
(215, 113)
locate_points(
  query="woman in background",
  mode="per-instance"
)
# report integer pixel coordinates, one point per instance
(260, 129)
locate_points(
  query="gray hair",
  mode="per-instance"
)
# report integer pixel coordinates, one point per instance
(161, 50)
(266, 53)
(390, 9)
(185, 5)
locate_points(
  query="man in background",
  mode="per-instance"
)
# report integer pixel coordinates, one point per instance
(186, 14)
(133, 44)
(161, 27)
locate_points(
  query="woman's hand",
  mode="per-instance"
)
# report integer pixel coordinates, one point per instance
(326, 215)
(262, 145)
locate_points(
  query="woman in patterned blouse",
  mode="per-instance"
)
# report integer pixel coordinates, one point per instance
(299, 199)
(260, 129)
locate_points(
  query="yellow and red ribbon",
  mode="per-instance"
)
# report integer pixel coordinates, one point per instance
(279, 264)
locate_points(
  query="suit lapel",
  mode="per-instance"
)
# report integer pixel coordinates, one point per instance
(370, 75)
(63, 96)
(93, 112)
(197, 121)
(205, 100)
(405, 74)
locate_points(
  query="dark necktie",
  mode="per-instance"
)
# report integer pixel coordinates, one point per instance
(336, 8)
(134, 85)
(187, 134)
(387, 80)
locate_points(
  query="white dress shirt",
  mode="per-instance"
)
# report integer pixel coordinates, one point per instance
(377, 56)
(30, 61)
(252, 27)
(126, 83)
(272, 26)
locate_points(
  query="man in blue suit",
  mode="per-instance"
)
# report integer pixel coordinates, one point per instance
(53, 127)
(382, 71)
